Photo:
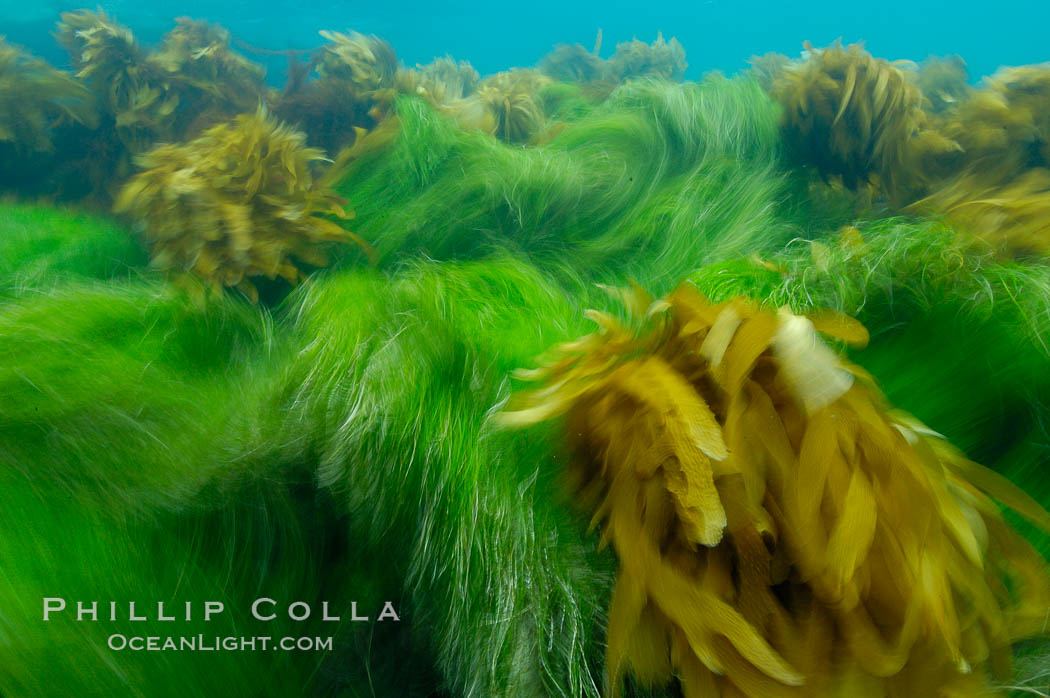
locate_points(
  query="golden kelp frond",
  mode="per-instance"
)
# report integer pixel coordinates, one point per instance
(1004, 127)
(133, 91)
(767, 68)
(35, 98)
(357, 81)
(859, 118)
(506, 105)
(1013, 217)
(199, 53)
(780, 531)
(660, 59)
(1001, 190)
(943, 81)
(236, 203)
(444, 80)
(574, 63)
(328, 112)
(366, 63)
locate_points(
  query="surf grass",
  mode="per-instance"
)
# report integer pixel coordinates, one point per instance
(392, 394)
(135, 466)
(41, 245)
(658, 180)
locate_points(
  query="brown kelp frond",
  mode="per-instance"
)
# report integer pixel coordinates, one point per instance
(35, 98)
(357, 80)
(238, 202)
(574, 63)
(199, 53)
(328, 112)
(660, 59)
(943, 81)
(1013, 217)
(366, 63)
(780, 530)
(445, 80)
(1005, 126)
(1001, 190)
(767, 68)
(506, 105)
(133, 91)
(859, 118)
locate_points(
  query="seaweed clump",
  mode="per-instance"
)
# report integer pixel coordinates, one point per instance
(860, 119)
(357, 79)
(192, 82)
(574, 63)
(367, 64)
(660, 59)
(1002, 194)
(198, 54)
(507, 105)
(767, 68)
(1005, 126)
(444, 80)
(35, 99)
(135, 93)
(238, 202)
(944, 82)
(780, 530)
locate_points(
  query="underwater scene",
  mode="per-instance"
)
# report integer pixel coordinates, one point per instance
(684, 351)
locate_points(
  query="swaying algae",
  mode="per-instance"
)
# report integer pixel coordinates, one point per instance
(576, 380)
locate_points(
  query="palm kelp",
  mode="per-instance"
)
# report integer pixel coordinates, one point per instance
(444, 80)
(924, 140)
(861, 119)
(773, 520)
(357, 78)
(660, 59)
(943, 81)
(1004, 127)
(1012, 218)
(236, 203)
(1002, 194)
(574, 63)
(510, 106)
(35, 99)
(192, 82)
(137, 95)
(914, 282)
(198, 55)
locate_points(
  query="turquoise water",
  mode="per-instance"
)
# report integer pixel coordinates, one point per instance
(495, 36)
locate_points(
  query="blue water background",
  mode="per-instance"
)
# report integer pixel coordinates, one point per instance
(717, 35)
